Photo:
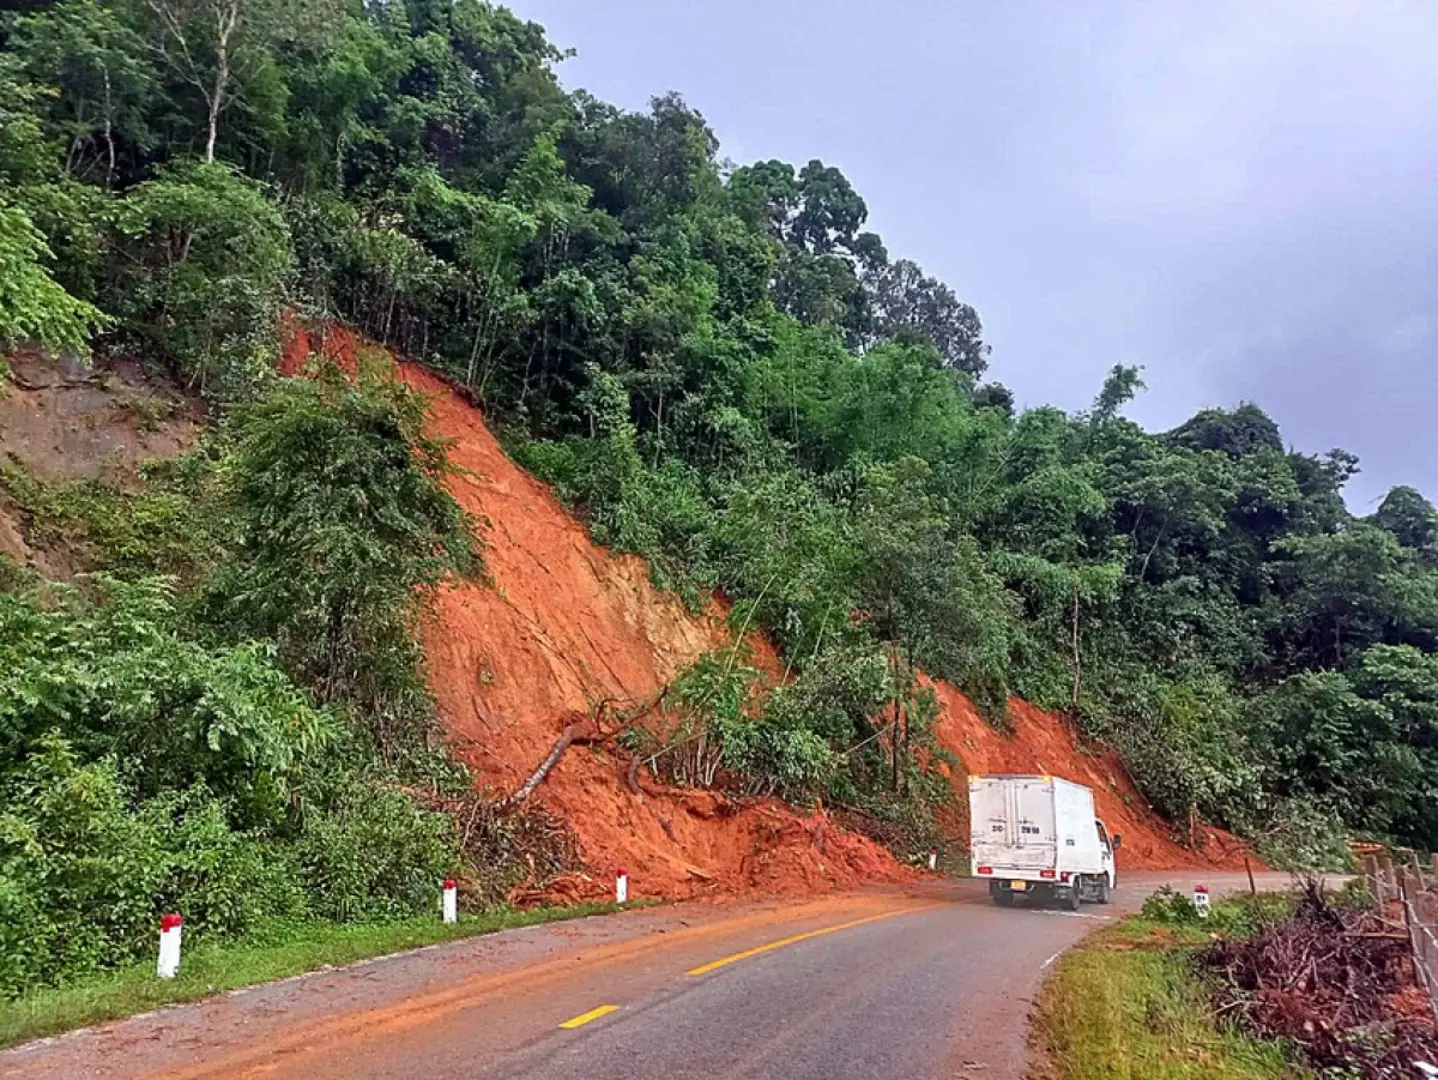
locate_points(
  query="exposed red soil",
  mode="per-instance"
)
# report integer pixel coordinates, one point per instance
(1046, 744)
(562, 625)
(334, 342)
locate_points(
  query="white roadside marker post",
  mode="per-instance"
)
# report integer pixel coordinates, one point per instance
(1200, 900)
(933, 858)
(621, 888)
(450, 904)
(169, 964)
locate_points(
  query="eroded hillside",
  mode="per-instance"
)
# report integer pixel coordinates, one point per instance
(563, 625)
(559, 627)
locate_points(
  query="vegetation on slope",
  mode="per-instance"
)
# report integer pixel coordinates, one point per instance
(232, 748)
(717, 364)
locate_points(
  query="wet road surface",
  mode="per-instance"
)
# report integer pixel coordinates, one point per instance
(925, 981)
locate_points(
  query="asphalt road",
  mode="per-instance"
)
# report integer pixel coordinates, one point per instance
(927, 981)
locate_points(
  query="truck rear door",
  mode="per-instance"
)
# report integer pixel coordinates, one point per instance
(1034, 835)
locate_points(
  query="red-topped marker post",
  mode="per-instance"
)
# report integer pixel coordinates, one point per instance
(621, 887)
(169, 964)
(449, 906)
(1200, 900)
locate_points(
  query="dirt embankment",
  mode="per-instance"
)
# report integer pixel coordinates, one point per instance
(63, 420)
(1046, 744)
(562, 625)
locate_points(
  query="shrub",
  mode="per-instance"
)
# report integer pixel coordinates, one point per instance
(341, 524)
(85, 873)
(206, 258)
(118, 677)
(33, 306)
(369, 852)
(772, 760)
(1169, 906)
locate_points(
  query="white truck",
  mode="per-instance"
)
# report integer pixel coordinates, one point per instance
(1037, 836)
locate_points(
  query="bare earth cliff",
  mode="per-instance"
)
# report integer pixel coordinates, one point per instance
(563, 625)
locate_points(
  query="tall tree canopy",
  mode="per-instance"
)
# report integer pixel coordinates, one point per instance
(723, 370)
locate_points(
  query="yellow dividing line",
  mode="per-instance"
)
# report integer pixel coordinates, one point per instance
(714, 965)
(592, 1014)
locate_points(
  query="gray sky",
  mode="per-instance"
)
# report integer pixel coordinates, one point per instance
(1241, 197)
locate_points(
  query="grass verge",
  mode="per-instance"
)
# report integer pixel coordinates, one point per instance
(1129, 1003)
(214, 969)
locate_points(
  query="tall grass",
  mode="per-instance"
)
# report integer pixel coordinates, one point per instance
(1130, 1005)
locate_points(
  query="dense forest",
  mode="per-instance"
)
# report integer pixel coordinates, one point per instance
(715, 364)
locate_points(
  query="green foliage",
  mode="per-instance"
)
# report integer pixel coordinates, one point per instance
(143, 771)
(1168, 905)
(33, 306)
(368, 852)
(1130, 1002)
(1237, 916)
(1335, 748)
(84, 872)
(205, 257)
(719, 368)
(155, 752)
(120, 679)
(165, 527)
(340, 522)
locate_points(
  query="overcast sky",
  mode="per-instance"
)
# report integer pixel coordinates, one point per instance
(1241, 196)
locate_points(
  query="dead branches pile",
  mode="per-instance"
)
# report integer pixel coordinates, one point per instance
(511, 847)
(1337, 982)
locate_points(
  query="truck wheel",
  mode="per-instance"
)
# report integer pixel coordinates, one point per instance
(1003, 898)
(1103, 889)
(1073, 900)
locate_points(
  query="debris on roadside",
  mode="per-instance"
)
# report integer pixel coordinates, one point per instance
(1337, 982)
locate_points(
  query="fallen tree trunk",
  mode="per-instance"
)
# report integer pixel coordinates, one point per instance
(546, 766)
(586, 731)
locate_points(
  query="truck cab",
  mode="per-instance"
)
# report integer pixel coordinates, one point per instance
(1038, 836)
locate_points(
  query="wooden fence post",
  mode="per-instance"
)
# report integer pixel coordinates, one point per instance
(1427, 912)
(1388, 883)
(1421, 914)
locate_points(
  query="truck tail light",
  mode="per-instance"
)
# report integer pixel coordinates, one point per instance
(1046, 873)
(986, 869)
(1065, 876)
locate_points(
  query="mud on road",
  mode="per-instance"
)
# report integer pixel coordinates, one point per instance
(913, 981)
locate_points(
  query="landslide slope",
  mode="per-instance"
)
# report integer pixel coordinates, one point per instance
(563, 625)
(560, 626)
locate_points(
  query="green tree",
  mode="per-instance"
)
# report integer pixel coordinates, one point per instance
(909, 305)
(33, 306)
(219, 49)
(205, 260)
(1410, 517)
(342, 523)
(1346, 591)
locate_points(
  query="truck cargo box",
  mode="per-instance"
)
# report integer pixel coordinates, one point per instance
(1039, 835)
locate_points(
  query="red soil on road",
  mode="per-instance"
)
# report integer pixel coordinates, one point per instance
(562, 625)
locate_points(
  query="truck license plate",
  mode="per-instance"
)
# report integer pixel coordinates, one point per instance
(1018, 886)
